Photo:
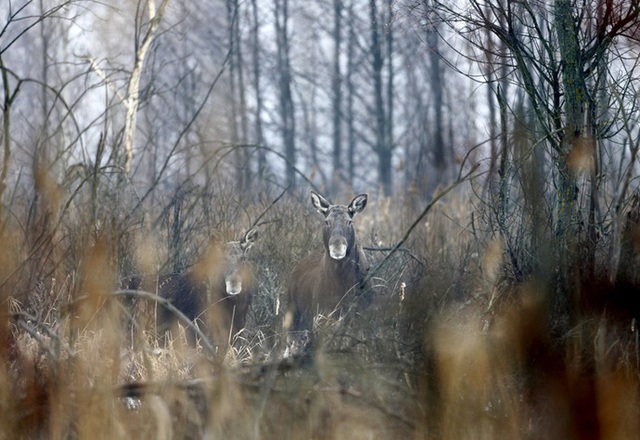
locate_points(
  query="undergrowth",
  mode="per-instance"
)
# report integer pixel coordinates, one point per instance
(449, 344)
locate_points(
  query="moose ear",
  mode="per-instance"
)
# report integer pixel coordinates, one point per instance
(320, 203)
(249, 239)
(358, 204)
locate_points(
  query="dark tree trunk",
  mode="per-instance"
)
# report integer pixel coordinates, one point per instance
(287, 119)
(259, 136)
(382, 150)
(239, 124)
(351, 65)
(436, 142)
(336, 84)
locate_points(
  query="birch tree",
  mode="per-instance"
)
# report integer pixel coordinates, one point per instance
(145, 33)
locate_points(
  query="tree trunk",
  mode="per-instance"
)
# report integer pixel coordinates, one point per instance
(388, 128)
(351, 131)
(245, 165)
(575, 94)
(233, 113)
(377, 64)
(239, 124)
(287, 129)
(336, 85)
(259, 136)
(437, 88)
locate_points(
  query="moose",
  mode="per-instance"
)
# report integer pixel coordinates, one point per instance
(221, 284)
(320, 282)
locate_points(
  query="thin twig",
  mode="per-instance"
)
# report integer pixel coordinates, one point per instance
(388, 249)
(32, 326)
(255, 222)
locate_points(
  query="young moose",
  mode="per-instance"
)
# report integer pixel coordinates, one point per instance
(222, 284)
(320, 282)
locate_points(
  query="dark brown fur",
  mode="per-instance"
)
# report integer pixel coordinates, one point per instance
(320, 283)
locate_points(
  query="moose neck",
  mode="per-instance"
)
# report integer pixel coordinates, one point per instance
(349, 265)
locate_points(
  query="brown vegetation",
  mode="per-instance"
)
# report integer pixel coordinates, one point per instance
(450, 347)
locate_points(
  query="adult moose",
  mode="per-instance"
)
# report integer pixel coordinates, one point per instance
(321, 282)
(220, 285)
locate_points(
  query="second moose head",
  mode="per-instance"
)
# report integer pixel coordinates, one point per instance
(320, 282)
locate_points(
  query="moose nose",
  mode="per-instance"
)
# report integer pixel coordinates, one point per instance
(337, 248)
(233, 285)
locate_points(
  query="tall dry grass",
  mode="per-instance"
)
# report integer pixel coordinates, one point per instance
(450, 344)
